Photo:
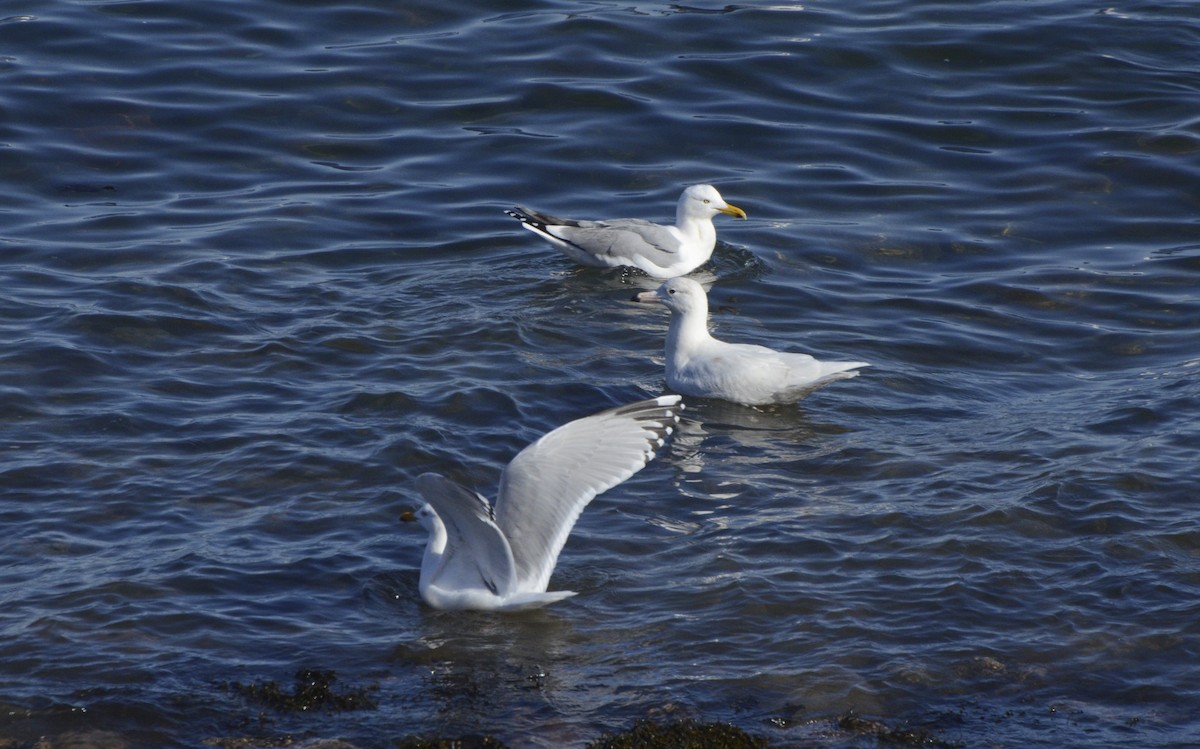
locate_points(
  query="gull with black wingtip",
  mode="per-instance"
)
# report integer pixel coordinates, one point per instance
(660, 250)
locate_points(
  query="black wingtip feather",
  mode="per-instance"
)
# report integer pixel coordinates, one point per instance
(658, 415)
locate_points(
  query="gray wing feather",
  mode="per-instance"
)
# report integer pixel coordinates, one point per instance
(545, 488)
(475, 546)
(622, 238)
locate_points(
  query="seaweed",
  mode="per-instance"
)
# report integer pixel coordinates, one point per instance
(684, 734)
(888, 736)
(466, 742)
(312, 690)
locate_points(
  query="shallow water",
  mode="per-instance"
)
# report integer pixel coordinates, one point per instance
(257, 277)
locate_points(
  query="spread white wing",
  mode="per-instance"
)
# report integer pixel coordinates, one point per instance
(545, 488)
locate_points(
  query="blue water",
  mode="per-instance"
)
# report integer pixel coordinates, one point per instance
(255, 276)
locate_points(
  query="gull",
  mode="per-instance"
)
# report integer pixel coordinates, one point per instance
(500, 558)
(662, 251)
(702, 366)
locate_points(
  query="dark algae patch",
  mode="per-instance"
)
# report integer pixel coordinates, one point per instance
(684, 734)
(312, 690)
(645, 734)
(888, 736)
(466, 742)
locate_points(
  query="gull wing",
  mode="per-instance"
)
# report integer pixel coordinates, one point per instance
(548, 484)
(477, 554)
(622, 238)
(617, 241)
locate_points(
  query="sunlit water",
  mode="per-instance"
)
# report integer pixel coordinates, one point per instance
(256, 277)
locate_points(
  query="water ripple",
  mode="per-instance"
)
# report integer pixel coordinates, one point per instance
(257, 278)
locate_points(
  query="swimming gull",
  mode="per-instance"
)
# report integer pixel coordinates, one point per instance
(662, 251)
(702, 366)
(484, 557)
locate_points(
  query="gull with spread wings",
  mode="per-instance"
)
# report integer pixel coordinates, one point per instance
(500, 558)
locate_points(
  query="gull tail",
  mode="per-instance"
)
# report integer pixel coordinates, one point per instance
(533, 599)
(537, 220)
(831, 371)
(841, 367)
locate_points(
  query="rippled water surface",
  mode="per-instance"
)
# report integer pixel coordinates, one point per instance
(255, 276)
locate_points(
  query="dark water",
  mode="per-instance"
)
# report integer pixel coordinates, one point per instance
(256, 277)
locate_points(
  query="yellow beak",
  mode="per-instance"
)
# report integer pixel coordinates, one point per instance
(732, 210)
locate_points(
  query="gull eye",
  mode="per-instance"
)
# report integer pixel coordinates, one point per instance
(671, 291)
(707, 201)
